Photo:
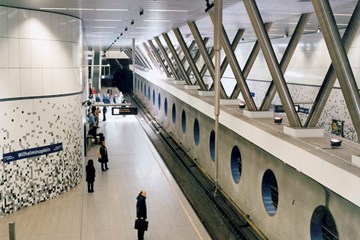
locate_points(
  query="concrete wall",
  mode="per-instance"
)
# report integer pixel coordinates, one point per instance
(298, 194)
(42, 76)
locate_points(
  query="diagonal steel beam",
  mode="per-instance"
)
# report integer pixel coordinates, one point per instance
(127, 54)
(157, 55)
(284, 63)
(235, 67)
(204, 67)
(183, 60)
(143, 57)
(151, 56)
(177, 59)
(137, 60)
(249, 63)
(339, 60)
(197, 56)
(167, 59)
(140, 57)
(330, 78)
(189, 59)
(234, 45)
(269, 54)
(209, 64)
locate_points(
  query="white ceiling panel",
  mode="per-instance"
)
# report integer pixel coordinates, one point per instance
(104, 21)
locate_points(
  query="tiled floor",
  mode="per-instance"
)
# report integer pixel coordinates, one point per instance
(109, 212)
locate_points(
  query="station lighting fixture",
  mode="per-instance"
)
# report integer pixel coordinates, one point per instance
(141, 12)
(126, 29)
(132, 22)
(242, 105)
(318, 30)
(278, 120)
(335, 143)
(208, 5)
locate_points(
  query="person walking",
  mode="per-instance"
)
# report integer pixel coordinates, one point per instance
(141, 212)
(103, 156)
(90, 175)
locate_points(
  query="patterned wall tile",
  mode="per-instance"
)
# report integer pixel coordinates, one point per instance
(36, 123)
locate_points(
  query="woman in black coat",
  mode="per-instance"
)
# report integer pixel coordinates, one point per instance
(90, 175)
(141, 212)
(103, 156)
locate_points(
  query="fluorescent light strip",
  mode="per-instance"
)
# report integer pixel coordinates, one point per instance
(103, 32)
(167, 10)
(110, 10)
(342, 14)
(59, 9)
(154, 20)
(80, 9)
(107, 20)
(104, 27)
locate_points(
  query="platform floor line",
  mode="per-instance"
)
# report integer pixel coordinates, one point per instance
(109, 212)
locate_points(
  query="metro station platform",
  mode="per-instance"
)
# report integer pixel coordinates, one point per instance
(109, 212)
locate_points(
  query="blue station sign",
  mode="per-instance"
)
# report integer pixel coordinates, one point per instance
(32, 152)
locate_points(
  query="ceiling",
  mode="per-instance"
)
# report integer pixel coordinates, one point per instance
(105, 20)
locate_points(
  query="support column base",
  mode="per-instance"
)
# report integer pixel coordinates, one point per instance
(258, 114)
(206, 93)
(192, 87)
(304, 132)
(355, 160)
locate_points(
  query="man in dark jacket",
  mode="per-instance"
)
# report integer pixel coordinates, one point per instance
(141, 211)
(104, 155)
(90, 175)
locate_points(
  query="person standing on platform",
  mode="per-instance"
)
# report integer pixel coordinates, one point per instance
(90, 175)
(141, 211)
(104, 113)
(103, 156)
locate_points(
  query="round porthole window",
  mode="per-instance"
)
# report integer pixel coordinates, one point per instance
(159, 101)
(174, 113)
(323, 225)
(153, 97)
(183, 121)
(165, 106)
(236, 164)
(270, 192)
(212, 145)
(196, 132)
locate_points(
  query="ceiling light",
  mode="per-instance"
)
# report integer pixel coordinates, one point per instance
(208, 5)
(335, 143)
(80, 9)
(112, 9)
(107, 20)
(58, 9)
(104, 27)
(166, 10)
(318, 30)
(278, 120)
(102, 32)
(156, 20)
(242, 105)
(342, 14)
(286, 35)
